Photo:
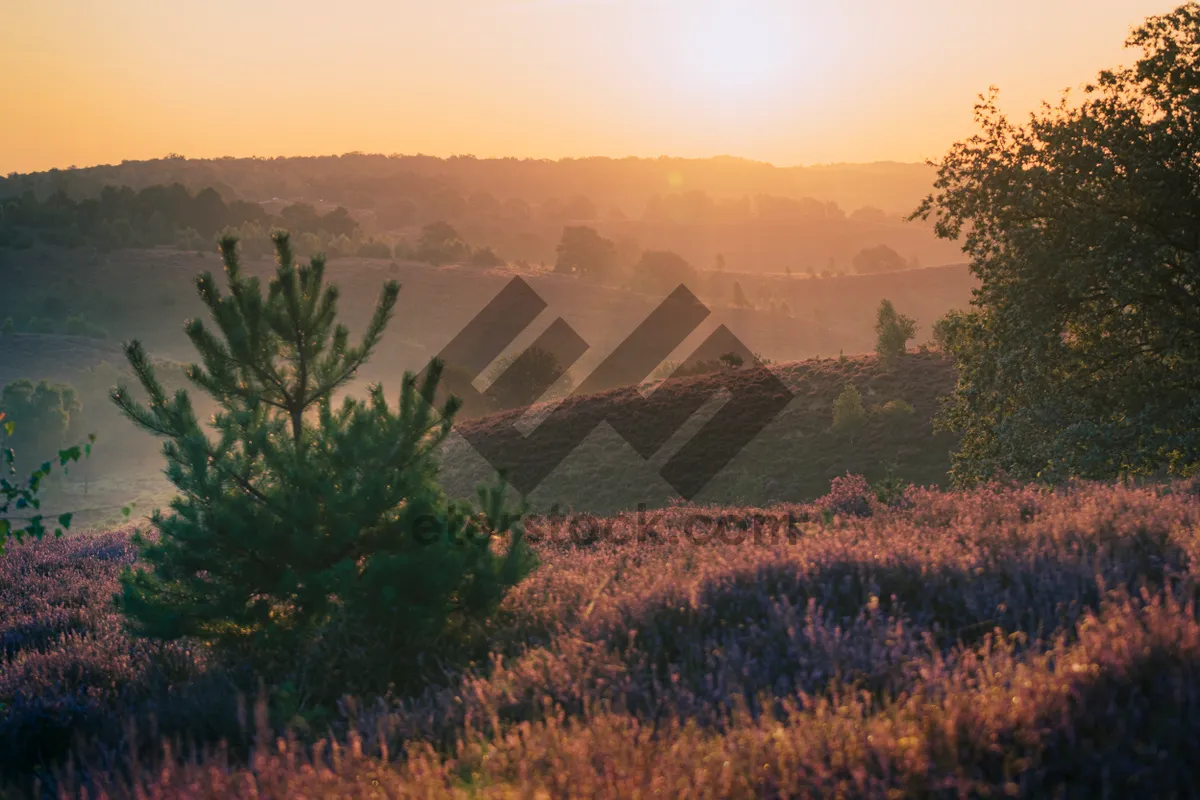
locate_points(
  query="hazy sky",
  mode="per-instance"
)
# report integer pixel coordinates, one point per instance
(788, 81)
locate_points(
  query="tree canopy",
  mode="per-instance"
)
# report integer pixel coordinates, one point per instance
(661, 271)
(584, 252)
(878, 259)
(1081, 355)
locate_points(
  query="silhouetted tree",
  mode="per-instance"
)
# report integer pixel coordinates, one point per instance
(1080, 355)
(661, 271)
(878, 259)
(440, 243)
(892, 332)
(585, 253)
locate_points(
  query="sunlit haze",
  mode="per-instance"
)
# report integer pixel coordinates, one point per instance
(786, 82)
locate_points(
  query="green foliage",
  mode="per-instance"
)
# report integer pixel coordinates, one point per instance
(373, 249)
(23, 495)
(849, 416)
(946, 330)
(440, 244)
(40, 325)
(161, 214)
(686, 369)
(1081, 356)
(8, 327)
(891, 489)
(731, 360)
(190, 239)
(892, 332)
(896, 410)
(81, 326)
(307, 535)
(585, 253)
(43, 415)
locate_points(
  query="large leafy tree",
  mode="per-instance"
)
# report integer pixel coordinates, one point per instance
(585, 253)
(1081, 355)
(661, 271)
(297, 518)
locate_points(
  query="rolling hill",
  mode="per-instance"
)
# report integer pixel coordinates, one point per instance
(793, 459)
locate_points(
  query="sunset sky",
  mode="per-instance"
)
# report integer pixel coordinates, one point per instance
(786, 81)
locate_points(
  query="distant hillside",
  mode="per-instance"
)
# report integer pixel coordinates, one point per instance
(149, 293)
(755, 216)
(793, 459)
(355, 179)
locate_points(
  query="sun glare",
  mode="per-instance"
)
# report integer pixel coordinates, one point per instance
(733, 47)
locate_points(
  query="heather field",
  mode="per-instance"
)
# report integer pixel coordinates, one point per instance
(1006, 641)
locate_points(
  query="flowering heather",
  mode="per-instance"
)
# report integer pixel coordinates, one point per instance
(1008, 641)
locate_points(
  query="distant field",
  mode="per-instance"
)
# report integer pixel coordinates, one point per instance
(149, 293)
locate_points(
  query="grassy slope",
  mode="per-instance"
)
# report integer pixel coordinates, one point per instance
(149, 293)
(793, 459)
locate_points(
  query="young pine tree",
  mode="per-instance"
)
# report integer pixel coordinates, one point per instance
(297, 518)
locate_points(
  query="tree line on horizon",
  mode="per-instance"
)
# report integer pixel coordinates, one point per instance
(119, 217)
(764, 227)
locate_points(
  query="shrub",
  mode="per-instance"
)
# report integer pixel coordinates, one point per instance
(878, 259)
(80, 326)
(40, 325)
(189, 239)
(441, 244)
(374, 249)
(947, 329)
(8, 326)
(891, 491)
(849, 416)
(895, 410)
(849, 495)
(486, 257)
(43, 411)
(307, 538)
(522, 380)
(892, 330)
(308, 244)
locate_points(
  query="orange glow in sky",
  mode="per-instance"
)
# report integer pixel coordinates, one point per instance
(785, 81)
